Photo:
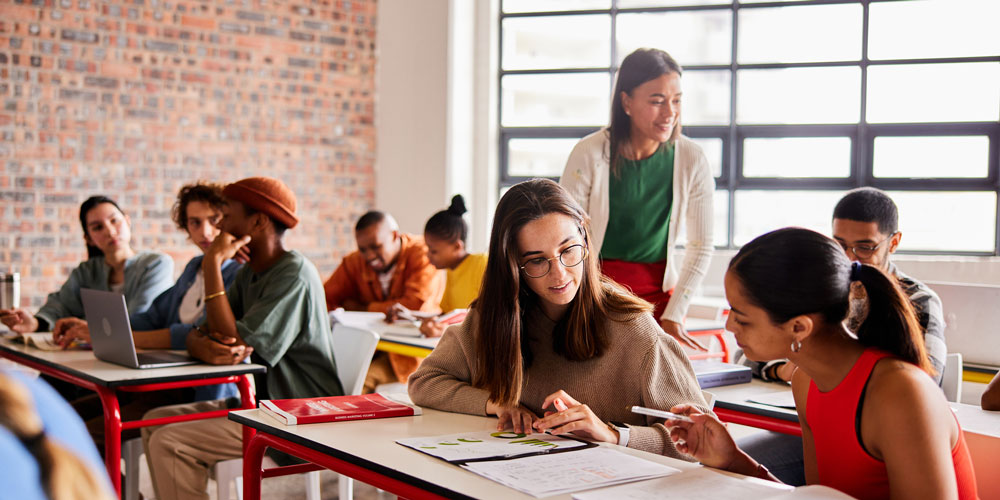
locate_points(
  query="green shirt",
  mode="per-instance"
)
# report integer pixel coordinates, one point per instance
(640, 198)
(281, 313)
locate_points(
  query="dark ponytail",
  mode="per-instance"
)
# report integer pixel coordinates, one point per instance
(794, 271)
(890, 323)
(448, 225)
(85, 208)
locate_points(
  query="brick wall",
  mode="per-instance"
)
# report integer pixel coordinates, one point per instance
(133, 99)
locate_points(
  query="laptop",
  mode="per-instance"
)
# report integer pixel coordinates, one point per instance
(111, 333)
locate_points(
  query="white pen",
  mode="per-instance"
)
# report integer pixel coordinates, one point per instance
(660, 413)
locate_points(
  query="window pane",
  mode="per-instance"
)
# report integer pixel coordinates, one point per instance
(697, 37)
(820, 33)
(538, 157)
(706, 97)
(927, 157)
(797, 157)
(712, 147)
(631, 4)
(951, 92)
(905, 30)
(556, 42)
(553, 5)
(799, 95)
(758, 212)
(555, 100)
(946, 221)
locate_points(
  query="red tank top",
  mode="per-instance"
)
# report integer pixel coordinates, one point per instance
(841, 462)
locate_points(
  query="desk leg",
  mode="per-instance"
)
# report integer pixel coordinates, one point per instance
(112, 435)
(253, 460)
(249, 401)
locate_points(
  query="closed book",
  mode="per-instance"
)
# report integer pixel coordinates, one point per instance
(335, 408)
(712, 373)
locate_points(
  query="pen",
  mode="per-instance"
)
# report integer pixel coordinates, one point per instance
(660, 413)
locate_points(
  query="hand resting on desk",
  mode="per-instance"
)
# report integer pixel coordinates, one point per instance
(216, 352)
(18, 320)
(69, 329)
(577, 419)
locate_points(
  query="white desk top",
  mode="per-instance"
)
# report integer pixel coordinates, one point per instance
(699, 324)
(371, 444)
(399, 333)
(972, 418)
(83, 364)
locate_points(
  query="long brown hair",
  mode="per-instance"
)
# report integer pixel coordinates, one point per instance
(637, 68)
(63, 475)
(580, 335)
(795, 271)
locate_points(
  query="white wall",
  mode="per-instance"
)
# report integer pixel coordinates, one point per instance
(435, 111)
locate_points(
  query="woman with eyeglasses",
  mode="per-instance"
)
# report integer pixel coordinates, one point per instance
(641, 182)
(548, 326)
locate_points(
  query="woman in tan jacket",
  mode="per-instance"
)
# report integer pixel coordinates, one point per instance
(548, 326)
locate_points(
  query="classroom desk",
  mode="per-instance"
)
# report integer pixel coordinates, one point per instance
(980, 427)
(366, 450)
(400, 338)
(709, 328)
(81, 368)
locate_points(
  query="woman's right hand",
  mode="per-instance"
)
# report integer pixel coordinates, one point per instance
(18, 320)
(518, 417)
(706, 439)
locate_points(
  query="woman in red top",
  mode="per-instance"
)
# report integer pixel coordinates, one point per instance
(874, 425)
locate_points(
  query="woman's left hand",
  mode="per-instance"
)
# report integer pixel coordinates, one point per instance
(577, 419)
(66, 330)
(677, 331)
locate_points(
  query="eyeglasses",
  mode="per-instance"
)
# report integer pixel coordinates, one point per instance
(571, 256)
(864, 251)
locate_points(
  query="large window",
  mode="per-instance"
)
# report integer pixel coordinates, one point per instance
(793, 102)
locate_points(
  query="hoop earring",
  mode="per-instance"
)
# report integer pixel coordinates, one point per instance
(796, 346)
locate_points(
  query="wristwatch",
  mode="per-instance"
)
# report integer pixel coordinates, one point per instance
(622, 430)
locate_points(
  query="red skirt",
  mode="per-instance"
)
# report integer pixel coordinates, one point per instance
(643, 279)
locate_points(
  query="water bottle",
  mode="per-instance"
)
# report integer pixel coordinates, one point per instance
(10, 290)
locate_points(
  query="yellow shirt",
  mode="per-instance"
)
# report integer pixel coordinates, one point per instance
(462, 285)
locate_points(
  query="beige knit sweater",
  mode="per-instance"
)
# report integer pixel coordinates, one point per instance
(641, 366)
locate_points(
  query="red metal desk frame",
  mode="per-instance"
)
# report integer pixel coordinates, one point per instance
(113, 425)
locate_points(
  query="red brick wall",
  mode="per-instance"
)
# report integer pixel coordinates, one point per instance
(133, 99)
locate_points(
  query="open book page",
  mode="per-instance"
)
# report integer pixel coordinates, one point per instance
(41, 340)
(481, 445)
(707, 484)
(547, 475)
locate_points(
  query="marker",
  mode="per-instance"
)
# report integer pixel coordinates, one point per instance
(660, 413)
(560, 406)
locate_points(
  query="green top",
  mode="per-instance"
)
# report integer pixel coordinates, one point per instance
(640, 198)
(281, 313)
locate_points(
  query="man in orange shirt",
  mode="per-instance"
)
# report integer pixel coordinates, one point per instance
(390, 267)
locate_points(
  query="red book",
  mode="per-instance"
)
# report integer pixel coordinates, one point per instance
(335, 408)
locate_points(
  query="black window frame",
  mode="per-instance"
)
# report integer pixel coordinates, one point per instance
(862, 134)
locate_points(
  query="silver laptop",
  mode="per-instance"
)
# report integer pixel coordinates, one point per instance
(111, 333)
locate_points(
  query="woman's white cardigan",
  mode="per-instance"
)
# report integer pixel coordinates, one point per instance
(587, 176)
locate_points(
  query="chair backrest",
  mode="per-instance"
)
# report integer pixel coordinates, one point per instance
(951, 383)
(352, 350)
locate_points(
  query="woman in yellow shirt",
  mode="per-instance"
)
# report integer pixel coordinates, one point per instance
(445, 234)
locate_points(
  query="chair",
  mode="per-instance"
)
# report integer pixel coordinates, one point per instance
(352, 350)
(951, 383)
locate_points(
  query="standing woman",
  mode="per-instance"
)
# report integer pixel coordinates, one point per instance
(546, 326)
(874, 424)
(641, 182)
(112, 265)
(445, 234)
